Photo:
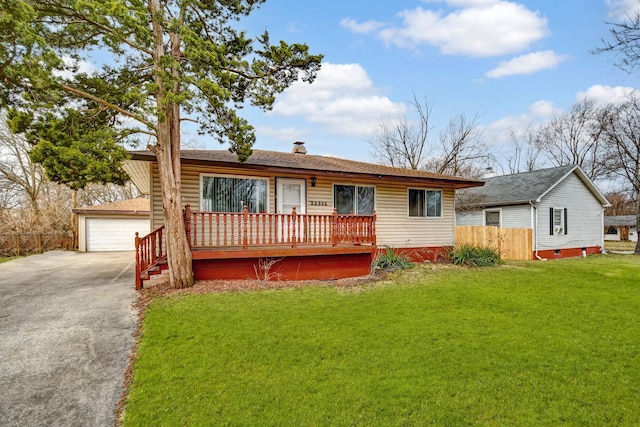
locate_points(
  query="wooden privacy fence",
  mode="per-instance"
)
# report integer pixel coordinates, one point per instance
(513, 243)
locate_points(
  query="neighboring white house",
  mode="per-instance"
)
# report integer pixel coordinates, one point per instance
(562, 206)
(112, 226)
(621, 227)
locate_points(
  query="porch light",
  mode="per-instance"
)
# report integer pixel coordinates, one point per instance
(313, 181)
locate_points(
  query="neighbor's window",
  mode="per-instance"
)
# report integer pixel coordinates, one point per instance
(425, 203)
(612, 230)
(492, 218)
(353, 198)
(558, 221)
(227, 194)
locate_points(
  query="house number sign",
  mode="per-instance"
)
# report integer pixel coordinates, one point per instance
(318, 203)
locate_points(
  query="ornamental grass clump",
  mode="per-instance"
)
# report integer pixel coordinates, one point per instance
(475, 256)
(392, 260)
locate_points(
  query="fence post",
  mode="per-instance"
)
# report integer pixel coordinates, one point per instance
(373, 229)
(245, 219)
(334, 227)
(294, 217)
(186, 214)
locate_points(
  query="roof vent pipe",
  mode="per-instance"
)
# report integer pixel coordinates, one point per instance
(298, 148)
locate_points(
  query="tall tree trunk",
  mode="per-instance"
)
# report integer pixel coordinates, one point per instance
(178, 251)
(73, 232)
(167, 150)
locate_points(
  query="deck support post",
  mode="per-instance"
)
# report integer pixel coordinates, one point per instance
(138, 278)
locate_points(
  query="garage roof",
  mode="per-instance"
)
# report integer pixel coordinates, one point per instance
(138, 206)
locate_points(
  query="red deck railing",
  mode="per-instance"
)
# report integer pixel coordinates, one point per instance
(150, 252)
(245, 230)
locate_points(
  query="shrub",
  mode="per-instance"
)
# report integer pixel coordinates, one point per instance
(475, 256)
(392, 260)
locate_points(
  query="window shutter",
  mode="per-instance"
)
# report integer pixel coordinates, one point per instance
(551, 221)
(565, 221)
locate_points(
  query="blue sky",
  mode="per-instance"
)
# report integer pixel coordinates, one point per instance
(510, 62)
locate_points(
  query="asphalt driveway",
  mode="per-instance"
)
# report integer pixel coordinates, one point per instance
(66, 325)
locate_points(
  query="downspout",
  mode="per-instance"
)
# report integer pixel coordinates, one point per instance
(535, 231)
(602, 249)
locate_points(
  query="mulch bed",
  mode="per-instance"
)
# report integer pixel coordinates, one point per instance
(202, 287)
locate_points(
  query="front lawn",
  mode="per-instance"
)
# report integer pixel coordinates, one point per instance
(533, 343)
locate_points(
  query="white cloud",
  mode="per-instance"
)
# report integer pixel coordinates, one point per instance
(466, 3)
(73, 67)
(342, 99)
(622, 9)
(603, 94)
(361, 28)
(527, 64)
(475, 28)
(538, 112)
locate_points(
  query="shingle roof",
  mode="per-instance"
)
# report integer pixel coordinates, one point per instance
(519, 188)
(138, 206)
(620, 220)
(265, 160)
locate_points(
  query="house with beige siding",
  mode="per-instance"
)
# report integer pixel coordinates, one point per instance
(316, 216)
(562, 206)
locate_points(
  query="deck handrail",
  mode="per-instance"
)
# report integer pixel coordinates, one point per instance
(246, 229)
(150, 251)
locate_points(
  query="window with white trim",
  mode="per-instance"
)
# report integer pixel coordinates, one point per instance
(425, 203)
(230, 194)
(355, 199)
(557, 221)
(492, 218)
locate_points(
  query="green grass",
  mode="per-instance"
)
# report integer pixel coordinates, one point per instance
(6, 259)
(526, 344)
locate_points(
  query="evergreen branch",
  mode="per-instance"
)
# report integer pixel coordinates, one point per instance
(107, 104)
(72, 13)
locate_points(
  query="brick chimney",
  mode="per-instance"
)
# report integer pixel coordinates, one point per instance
(298, 148)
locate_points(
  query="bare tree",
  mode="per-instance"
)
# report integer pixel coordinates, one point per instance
(621, 203)
(404, 143)
(575, 137)
(622, 133)
(460, 150)
(399, 142)
(625, 43)
(526, 156)
(22, 178)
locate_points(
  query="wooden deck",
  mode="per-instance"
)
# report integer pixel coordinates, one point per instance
(240, 245)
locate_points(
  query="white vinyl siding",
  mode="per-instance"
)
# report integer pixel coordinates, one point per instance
(584, 216)
(517, 216)
(393, 226)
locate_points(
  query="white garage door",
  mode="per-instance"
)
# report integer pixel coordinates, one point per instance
(114, 234)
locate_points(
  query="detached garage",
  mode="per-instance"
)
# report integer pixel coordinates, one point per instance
(112, 226)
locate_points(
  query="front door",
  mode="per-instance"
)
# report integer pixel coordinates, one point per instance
(291, 193)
